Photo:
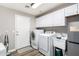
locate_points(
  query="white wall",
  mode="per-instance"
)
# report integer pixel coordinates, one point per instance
(33, 23)
(7, 23)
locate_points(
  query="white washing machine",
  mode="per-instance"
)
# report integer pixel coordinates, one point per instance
(34, 41)
(46, 44)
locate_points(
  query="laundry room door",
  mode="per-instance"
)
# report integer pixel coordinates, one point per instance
(22, 31)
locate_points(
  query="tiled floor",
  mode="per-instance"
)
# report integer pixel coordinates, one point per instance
(32, 52)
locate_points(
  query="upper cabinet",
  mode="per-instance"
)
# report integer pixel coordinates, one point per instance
(56, 18)
(42, 21)
(59, 18)
(71, 10)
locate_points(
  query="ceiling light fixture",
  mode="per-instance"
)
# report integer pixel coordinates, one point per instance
(32, 5)
(35, 5)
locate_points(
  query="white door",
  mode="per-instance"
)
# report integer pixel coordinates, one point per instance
(22, 28)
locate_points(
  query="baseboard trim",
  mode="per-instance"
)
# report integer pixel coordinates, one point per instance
(23, 47)
(12, 50)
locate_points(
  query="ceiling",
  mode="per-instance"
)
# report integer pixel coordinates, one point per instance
(43, 8)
